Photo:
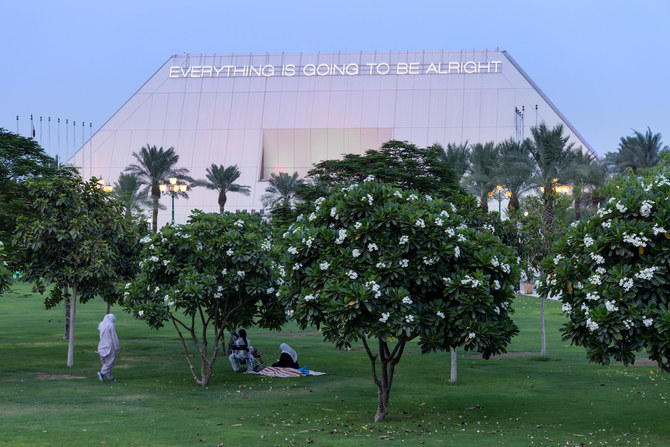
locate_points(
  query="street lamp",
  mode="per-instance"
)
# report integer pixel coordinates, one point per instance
(105, 188)
(174, 188)
(499, 189)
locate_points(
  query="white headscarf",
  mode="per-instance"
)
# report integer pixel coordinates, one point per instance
(290, 351)
(106, 322)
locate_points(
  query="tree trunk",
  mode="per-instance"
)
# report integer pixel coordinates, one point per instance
(543, 348)
(514, 203)
(454, 365)
(387, 361)
(154, 215)
(66, 304)
(222, 202)
(73, 311)
(484, 203)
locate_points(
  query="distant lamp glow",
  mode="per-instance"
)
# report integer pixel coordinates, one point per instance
(172, 180)
(525, 213)
(163, 188)
(508, 193)
(173, 188)
(107, 188)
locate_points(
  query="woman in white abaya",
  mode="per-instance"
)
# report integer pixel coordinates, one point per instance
(108, 347)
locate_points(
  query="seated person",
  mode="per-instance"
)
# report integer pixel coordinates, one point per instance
(288, 358)
(241, 352)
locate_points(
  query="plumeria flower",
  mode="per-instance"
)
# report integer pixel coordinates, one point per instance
(355, 252)
(140, 313)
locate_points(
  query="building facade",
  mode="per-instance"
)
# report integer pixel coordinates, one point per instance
(271, 113)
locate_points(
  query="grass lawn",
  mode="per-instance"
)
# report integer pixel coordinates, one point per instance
(517, 400)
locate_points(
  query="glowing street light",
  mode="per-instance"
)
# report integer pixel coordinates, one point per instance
(498, 190)
(174, 188)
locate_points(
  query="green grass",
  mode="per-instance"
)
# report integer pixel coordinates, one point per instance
(509, 401)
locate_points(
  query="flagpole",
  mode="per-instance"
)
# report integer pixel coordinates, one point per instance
(32, 127)
(90, 147)
(67, 143)
(17, 124)
(41, 131)
(59, 138)
(49, 127)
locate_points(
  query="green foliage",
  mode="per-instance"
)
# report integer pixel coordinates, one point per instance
(640, 151)
(611, 271)
(482, 177)
(217, 270)
(5, 273)
(374, 261)
(281, 190)
(20, 158)
(222, 180)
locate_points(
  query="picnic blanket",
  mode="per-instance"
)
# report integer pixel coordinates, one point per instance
(275, 371)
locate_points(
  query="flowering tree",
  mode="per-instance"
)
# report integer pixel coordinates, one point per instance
(213, 273)
(611, 272)
(5, 274)
(380, 264)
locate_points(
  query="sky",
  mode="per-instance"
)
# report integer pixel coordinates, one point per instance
(604, 64)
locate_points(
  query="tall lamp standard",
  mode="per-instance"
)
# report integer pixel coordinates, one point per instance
(174, 188)
(498, 190)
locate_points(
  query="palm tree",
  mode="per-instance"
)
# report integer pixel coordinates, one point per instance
(223, 180)
(154, 166)
(553, 158)
(586, 172)
(636, 152)
(516, 169)
(457, 156)
(281, 189)
(483, 169)
(129, 191)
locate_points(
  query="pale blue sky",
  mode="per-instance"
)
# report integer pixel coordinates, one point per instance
(604, 64)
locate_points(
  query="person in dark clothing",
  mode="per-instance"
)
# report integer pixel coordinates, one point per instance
(288, 357)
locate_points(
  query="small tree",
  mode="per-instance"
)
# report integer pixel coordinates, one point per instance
(213, 273)
(74, 240)
(223, 180)
(378, 264)
(611, 272)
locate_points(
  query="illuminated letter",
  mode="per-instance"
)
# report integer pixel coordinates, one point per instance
(401, 68)
(218, 71)
(240, 70)
(321, 72)
(268, 70)
(481, 66)
(455, 66)
(470, 64)
(414, 68)
(174, 72)
(309, 69)
(496, 63)
(196, 71)
(371, 67)
(431, 69)
(352, 69)
(184, 74)
(288, 70)
(207, 69)
(383, 68)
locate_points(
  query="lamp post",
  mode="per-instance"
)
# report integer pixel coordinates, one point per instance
(498, 190)
(106, 188)
(174, 188)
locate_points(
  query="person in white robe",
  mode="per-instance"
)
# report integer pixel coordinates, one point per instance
(108, 347)
(241, 352)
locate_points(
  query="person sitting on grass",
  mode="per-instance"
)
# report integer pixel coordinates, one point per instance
(108, 347)
(240, 351)
(288, 357)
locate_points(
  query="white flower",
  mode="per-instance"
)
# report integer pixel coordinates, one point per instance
(647, 321)
(127, 285)
(598, 259)
(368, 198)
(601, 271)
(467, 279)
(626, 283)
(497, 310)
(270, 290)
(412, 197)
(444, 214)
(289, 313)
(240, 273)
(505, 268)
(496, 284)
(658, 230)
(166, 262)
(230, 251)
(592, 296)
(606, 224)
(293, 250)
(595, 280)
(472, 335)
(385, 315)
(566, 308)
(357, 225)
(140, 313)
(440, 314)
(380, 265)
(403, 263)
(645, 208)
(439, 222)
(407, 300)
(638, 240)
(352, 275)
(324, 265)
(591, 325)
(403, 240)
(647, 273)
(309, 297)
(461, 238)
(312, 216)
(420, 223)
(369, 178)
(496, 263)
(588, 241)
(621, 207)
(446, 280)
(428, 198)
(584, 307)
(611, 306)
(224, 271)
(239, 223)
(308, 241)
(628, 323)
(375, 288)
(355, 252)
(154, 259)
(457, 252)
(341, 234)
(450, 232)
(397, 194)
(171, 303)
(333, 213)
(372, 247)
(409, 318)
